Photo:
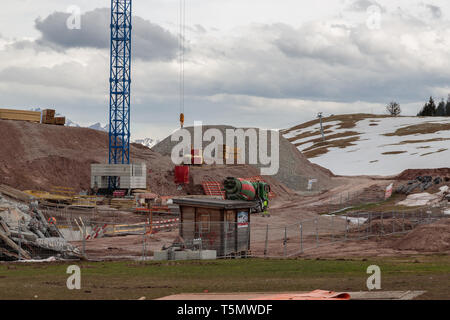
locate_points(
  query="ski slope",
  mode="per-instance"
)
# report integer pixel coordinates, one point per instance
(374, 145)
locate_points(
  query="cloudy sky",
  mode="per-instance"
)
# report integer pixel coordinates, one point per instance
(264, 63)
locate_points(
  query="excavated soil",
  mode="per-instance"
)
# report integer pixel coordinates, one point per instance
(295, 170)
(39, 157)
(434, 237)
(388, 226)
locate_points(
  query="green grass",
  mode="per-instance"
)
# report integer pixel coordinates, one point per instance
(389, 205)
(131, 280)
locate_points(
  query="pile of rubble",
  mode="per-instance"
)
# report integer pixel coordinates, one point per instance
(25, 234)
(421, 183)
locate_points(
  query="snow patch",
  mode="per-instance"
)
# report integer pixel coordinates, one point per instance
(375, 145)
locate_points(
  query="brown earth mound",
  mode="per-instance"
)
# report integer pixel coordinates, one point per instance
(387, 226)
(39, 157)
(434, 237)
(294, 170)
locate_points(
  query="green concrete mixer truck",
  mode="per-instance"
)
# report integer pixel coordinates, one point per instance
(240, 189)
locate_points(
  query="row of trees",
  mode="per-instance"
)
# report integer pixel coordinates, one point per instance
(431, 110)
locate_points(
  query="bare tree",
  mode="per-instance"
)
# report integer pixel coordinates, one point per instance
(394, 109)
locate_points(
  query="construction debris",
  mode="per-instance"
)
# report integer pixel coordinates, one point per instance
(420, 183)
(425, 198)
(25, 234)
(15, 194)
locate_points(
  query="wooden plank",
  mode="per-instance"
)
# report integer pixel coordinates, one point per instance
(60, 121)
(20, 111)
(9, 254)
(13, 245)
(14, 193)
(20, 115)
(5, 227)
(19, 118)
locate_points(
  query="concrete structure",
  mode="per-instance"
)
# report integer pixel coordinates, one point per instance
(128, 176)
(184, 255)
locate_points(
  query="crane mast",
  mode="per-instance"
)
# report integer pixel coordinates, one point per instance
(120, 82)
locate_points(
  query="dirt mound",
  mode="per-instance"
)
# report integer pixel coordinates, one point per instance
(387, 226)
(37, 156)
(412, 174)
(434, 237)
(294, 170)
(40, 157)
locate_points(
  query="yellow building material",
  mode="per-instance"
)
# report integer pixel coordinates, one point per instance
(43, 195)
(20, 115)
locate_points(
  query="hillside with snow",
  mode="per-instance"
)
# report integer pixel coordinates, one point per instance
(362, 144)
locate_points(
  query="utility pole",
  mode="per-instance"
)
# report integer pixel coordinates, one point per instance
(320, 115)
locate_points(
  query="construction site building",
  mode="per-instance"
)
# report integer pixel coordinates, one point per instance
(128, 176)
(222, 225)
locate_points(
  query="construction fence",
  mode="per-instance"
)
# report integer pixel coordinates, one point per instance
(230, 239)
(350, 199)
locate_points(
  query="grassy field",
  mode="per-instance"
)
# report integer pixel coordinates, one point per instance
(132, 280)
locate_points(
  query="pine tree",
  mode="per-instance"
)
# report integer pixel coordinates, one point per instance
(429, 109)
(447, 107)
(440, 110)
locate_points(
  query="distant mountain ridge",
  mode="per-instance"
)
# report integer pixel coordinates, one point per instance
(148, 142)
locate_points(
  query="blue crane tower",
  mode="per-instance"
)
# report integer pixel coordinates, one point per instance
(120, 83)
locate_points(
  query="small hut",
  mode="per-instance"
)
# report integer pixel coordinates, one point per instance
(222, 225)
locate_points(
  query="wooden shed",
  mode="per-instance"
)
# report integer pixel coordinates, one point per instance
(222, 225)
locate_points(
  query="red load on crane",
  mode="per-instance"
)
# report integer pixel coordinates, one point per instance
(181, 174)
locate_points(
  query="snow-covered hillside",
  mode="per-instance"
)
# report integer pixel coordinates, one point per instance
(374, 145)
(148, 142)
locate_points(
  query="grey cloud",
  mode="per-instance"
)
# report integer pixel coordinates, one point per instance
(435, 11)
(150, 41)
(321, 61)
(362, 5)
(70, 76)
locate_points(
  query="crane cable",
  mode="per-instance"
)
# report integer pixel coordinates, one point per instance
(182, 37)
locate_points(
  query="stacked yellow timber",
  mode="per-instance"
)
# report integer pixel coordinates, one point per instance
(64, 191)
(20, 115)
(123, 203)
(48, 116)
(85, 201)
(60, 121)
(50, 197)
